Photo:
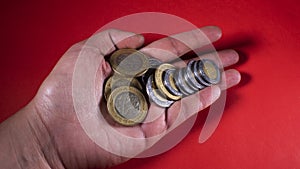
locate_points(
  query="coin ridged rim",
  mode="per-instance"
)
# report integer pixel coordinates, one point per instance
(108, 88)
(153, 62)
(154, 96)
(178, 83)
(191, 77)
(184, 84)
(158, 78)
(123, 72)
(143, 108)
(187, 80)
(205, 76)
(197, 74)
(181, 84)
(171, 86)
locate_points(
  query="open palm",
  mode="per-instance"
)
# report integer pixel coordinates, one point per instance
(55, 103)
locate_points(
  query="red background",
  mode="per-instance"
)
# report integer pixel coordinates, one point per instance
(260, 126)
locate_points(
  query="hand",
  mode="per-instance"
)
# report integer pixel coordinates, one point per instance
(58, 132)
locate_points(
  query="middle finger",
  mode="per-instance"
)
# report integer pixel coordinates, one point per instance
(170, 48)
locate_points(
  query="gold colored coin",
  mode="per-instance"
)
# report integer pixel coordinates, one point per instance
(129, 62)
(107, 88)
(210, 70)
(155, 95)
(158, 77)
(127, 106)
(117, 81)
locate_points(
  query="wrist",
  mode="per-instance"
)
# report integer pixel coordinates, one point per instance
(26, 142)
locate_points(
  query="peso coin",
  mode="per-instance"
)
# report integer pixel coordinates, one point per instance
(155, 95)
(129, 62)
(158, 78)
(210, 71)
(117, 81)
(187, 87)
(187, 80)
(178, 83)
(127, 106)
(169, 82)
(190, 78)
(181, 83)
(197, 73)
(153, 63)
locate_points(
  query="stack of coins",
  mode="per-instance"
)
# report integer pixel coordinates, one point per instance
(169, 84)
(126, 102)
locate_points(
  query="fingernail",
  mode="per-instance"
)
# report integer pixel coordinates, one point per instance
(233, 55)
(215, 93)
(233, 77)
(213, 32)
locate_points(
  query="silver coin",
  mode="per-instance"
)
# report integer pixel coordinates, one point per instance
(210, 72)
(167, 83)
(187, 80)
(197, 73)
(155, 96)
(187, 87)
(180, 84)
(189, 75)
(154, 63)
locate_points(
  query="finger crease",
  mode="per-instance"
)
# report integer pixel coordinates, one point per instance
(174, 44)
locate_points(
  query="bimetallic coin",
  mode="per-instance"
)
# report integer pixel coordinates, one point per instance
(189, 76)
(117, 81)
(210, 71)
(183, 83)
(187, 80)
(178, 83)
(158, 78)
(127, 106)
(154, 63)
(187, 87)
(169, 82)
(145, 77)
(107, 88)
(197, 73)
(154, 94)
(129, 62)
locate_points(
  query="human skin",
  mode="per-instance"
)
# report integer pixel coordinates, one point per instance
(47, 133)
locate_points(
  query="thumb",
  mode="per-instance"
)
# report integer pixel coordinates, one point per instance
(98, 45)
(108, 40)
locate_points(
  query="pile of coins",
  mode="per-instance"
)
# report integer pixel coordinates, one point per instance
(169, 84)
(137, 78)
(123, 92)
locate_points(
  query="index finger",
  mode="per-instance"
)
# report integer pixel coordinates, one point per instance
(170, 48)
